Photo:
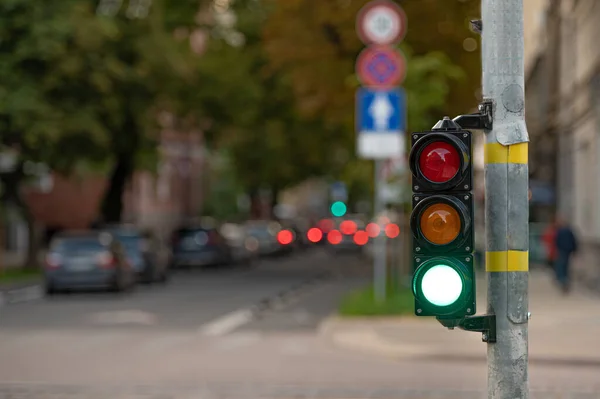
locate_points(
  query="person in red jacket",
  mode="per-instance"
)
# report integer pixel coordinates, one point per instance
(549, 239)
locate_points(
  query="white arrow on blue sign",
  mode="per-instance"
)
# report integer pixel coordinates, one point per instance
(380, 123)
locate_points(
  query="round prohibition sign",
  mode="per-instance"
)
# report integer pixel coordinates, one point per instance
(381, 67)
(381, 22)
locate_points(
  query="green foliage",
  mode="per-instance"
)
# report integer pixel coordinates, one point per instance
(8, 276)
(48, 106)
(399, 301)
(314, 47)
(253, 114)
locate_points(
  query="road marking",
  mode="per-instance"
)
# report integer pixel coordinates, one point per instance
(124, 317)
(227, 323)
(237, 341)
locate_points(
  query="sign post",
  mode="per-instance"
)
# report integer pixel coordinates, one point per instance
(380, 104)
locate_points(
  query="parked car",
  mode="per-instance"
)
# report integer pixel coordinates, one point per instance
(349, 234)
(147, 254)
(200, 246)
(87, 259)
(244, 248)
(271, 240)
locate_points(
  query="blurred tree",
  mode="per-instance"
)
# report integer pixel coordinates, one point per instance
(151, 66)
(50, 85)
(79, 87)
(252, 114)
(314, 45)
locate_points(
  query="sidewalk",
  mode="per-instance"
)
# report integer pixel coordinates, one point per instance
(562, 329)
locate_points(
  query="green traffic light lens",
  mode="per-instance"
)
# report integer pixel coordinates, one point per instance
(441, 285)
(338, 209)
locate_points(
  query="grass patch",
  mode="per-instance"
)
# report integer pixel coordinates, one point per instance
(18, 275)
(399, 301)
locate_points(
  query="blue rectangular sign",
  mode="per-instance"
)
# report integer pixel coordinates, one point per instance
(380, 111)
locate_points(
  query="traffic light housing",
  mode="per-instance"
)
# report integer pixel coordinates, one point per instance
(442, 222)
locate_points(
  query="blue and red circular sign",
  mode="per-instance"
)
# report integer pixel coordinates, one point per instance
(381, 67)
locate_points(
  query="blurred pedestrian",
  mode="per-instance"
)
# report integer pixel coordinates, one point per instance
(549, 240)
(566, 246)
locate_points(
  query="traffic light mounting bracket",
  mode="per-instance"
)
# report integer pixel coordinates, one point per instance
(482, 120)
(485, 324)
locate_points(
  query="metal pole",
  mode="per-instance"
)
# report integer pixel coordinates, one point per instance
(379, 250)
(506, 202)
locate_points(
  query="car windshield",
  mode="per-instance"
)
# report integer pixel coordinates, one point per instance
(77, 244)
(193, 237)
(259, 231)
(131, 242)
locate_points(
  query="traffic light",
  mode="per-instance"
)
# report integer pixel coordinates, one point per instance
(338, 209)
(442, 222)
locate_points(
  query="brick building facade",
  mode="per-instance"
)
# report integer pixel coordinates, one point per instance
(159, 201)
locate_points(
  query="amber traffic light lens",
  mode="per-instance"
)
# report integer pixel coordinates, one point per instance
(440, 224)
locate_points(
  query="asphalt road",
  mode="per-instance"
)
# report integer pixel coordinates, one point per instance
(154, 343)
(191, 300)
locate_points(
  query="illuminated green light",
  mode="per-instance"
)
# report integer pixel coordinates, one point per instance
(441, 285)
(338, 209)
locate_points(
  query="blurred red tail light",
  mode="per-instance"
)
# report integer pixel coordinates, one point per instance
(392, 230)
(373, 230)
(361, 238)
(326, 225)
(334, 237)
(106, 260)
(314, 235)
(285, 237)
(348, 227)
(53, 261)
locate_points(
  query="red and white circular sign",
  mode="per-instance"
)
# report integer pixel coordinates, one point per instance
(381, 22)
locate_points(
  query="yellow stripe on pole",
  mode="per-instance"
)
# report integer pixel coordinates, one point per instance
(498, 153)
(507, 261)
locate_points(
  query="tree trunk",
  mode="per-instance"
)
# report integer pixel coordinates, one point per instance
(254, 203)
(273, 203)
(12, 195)
(33, 242)
(112, 204)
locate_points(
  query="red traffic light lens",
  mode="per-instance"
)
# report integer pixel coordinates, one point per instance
(285, 237)
(439, 161)
(314, 235)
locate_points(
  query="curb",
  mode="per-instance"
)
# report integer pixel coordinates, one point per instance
(272, 391)
(367, 340)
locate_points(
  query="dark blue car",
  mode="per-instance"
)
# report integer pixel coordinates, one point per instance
(143, 252)
(87, 259)
(200, 246)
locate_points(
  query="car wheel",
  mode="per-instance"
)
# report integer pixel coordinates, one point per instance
(50, 290)
(164, 277)
(149, 275)
(120, 284)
